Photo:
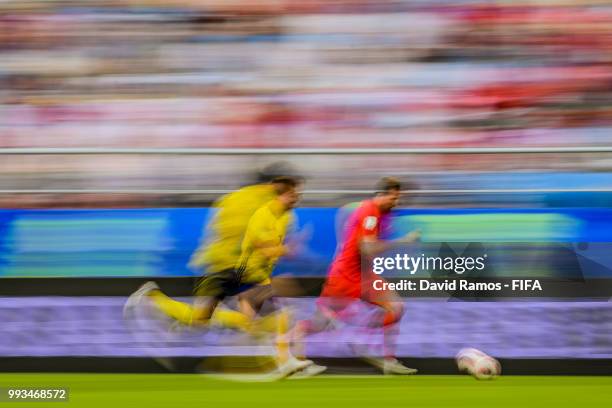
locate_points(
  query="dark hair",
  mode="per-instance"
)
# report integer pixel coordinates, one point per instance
(283, 184)
(387, 184)
(275, 170)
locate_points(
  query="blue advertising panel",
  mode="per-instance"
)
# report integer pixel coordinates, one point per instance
(159, 242)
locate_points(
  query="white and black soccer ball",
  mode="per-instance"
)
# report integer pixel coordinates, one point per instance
(478, 364)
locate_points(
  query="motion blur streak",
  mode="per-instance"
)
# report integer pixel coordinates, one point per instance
(284, 73)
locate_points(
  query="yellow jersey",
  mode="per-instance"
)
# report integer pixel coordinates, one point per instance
(225, 232)
(267, 229)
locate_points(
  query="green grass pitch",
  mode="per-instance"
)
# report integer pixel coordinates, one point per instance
(186, 390)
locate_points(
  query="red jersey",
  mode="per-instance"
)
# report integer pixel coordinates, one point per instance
(364, 222)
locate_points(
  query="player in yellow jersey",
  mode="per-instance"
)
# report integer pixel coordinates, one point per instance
(262, 243)
(221, 249)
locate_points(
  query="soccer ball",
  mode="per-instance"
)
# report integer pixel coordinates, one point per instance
(478, 364)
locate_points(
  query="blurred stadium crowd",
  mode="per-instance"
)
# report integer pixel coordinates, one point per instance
(302, 74)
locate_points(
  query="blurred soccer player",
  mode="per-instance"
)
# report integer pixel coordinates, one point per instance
(347, 284)
(222, 247)
(239, 261)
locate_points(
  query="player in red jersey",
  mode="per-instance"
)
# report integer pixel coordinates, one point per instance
(348, 283)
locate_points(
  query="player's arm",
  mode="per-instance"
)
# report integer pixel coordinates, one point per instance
(272, 250)
(371, 245)
(262, 237)
(286, 247)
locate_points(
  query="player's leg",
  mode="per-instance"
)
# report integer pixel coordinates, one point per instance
(390, 310)
(150, 291)
(209, 291)
(268, 317)
(198, 313)
(389, 315)
(252, 302)
(296, 344)
(317, 323)
(331, 307)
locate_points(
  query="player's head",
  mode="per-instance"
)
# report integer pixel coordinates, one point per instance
(276, 170)
(388, 191)
(287, 190)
